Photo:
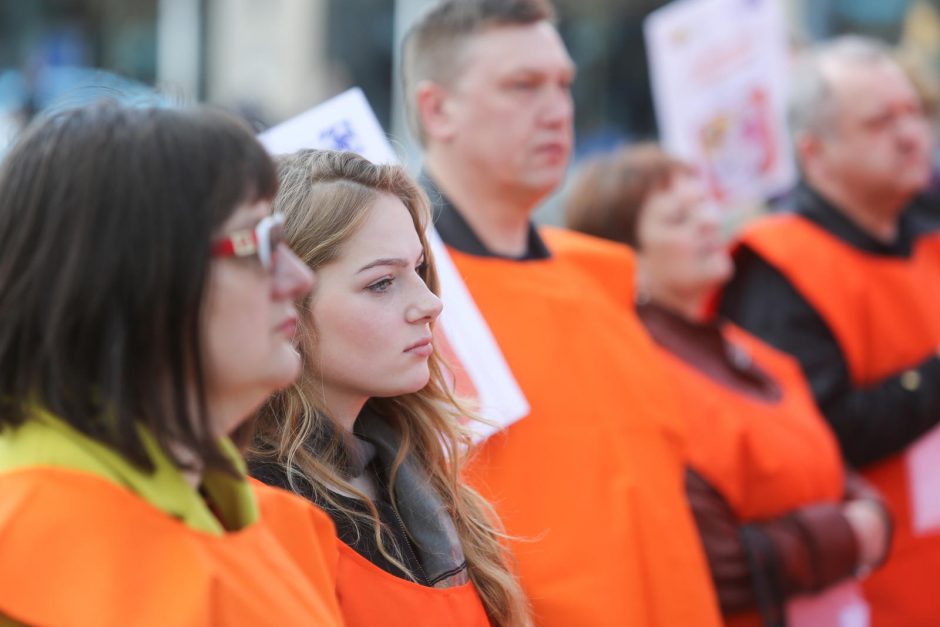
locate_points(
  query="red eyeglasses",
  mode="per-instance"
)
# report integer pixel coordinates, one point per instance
(262, 241)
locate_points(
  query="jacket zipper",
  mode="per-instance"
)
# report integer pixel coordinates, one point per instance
(425, 580)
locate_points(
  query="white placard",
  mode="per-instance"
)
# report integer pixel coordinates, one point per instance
(499, 397)
(923, 479)
(344, 122)
(840, 606)
(718, 71)
(347, 122)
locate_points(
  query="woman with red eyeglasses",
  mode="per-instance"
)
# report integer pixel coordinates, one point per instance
(146, 310)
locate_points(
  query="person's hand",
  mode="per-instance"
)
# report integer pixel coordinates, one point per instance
(872, 529)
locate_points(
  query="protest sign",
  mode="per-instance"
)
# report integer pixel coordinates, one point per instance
(718, 71)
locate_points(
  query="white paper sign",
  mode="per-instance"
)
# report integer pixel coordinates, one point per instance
(839, 606)
(347, 122)
(500, 399)
(923, 476)
(718, 71)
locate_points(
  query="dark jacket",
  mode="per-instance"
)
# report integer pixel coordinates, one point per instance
(873, 422)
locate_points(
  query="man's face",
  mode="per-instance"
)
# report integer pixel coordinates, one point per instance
(510, 109)
(880, 141)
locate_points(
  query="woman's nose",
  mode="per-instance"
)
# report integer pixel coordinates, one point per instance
(709, 214)
(426, 308)
(292, 277)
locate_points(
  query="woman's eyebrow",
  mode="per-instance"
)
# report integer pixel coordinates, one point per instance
(397, 262)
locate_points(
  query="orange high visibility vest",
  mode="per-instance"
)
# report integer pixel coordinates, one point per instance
(80, 550)
(370, 596)
(885, 314)
(590, 483)
(766, 458)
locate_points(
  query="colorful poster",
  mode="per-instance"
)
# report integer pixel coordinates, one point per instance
(480, 371)
(718, 71)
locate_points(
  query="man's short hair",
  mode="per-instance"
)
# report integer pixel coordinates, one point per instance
(812, 107)
(434, 44)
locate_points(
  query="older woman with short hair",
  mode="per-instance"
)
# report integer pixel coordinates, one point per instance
(778, 515)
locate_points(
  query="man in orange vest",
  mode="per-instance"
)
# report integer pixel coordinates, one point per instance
(590, 483)
(849, 283)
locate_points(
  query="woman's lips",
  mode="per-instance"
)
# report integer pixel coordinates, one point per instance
(423, 348)
(288, 327)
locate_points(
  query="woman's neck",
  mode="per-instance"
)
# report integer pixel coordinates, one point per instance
(191, 466)
(693, 307)
(345, 410)
(357, 452)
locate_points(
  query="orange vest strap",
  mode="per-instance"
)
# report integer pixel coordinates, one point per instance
(868, 301)
(612, 265)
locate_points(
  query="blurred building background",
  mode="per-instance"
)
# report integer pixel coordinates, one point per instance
(271, 59)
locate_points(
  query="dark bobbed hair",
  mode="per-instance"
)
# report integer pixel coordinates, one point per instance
(607, 193)
(106, 217)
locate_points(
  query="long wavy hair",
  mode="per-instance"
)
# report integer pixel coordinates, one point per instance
(325, 197)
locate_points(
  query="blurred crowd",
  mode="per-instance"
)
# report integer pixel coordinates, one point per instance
(238, 389)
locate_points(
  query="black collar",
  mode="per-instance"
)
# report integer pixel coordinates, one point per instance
(811, 205)
(457, 234)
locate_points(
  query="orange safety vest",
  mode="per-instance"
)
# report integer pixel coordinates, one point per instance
(370, 596)
(590, 483)
(80, 550)
(885, 314)
(766, 458)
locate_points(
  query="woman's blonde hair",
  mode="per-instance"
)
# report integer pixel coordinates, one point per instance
(325, 197)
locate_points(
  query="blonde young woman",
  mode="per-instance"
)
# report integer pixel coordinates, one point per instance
(371, 432)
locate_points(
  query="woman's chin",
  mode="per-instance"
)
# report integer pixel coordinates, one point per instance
(718, 268)
(408, 386)
(287, 370)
